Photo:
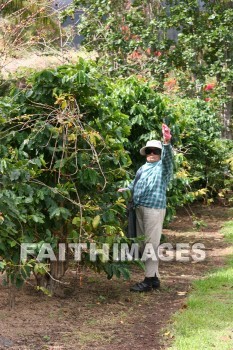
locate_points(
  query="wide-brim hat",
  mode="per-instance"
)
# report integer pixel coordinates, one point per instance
(151, 143)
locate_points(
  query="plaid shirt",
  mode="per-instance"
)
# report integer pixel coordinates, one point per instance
(150, 189)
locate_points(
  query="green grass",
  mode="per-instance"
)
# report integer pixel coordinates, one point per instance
(227, 230)
(207, 322)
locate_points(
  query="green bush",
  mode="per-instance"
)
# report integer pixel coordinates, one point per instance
(70, 138)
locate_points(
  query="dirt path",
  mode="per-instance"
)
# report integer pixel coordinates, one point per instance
(103, 315)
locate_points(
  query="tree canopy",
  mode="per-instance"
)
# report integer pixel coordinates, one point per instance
(185, 46)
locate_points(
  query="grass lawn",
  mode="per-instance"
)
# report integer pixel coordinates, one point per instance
(206, 322)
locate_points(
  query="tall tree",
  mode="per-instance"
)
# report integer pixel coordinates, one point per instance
(185, 45)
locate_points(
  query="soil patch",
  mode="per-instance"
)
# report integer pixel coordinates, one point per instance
(101, 314)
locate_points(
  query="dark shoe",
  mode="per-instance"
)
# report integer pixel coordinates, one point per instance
(147, 285)
(141, 287)
(155, 284)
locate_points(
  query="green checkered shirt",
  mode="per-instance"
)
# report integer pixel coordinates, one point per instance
(150, 189)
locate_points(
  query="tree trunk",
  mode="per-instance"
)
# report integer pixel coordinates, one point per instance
(51, 281)
(227, 113)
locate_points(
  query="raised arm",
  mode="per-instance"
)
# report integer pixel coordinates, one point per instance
(167, 153)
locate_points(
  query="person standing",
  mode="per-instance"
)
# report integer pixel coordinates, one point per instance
(149, 197)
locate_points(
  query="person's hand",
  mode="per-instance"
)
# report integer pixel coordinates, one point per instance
(166, 133)
(123, 189)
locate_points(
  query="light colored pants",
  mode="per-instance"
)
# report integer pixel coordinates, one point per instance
(149, 222)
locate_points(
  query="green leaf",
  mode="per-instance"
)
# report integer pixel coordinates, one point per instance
(13, 244)
(37, 218)
(14, 175)
(2, 265)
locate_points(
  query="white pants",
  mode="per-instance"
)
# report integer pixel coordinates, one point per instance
(149, 222)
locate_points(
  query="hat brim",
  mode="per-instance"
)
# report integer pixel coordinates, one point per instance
(142, 151)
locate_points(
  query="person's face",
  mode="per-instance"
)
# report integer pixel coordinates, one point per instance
(153, 154)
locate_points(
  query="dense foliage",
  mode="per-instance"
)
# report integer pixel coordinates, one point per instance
(70, 137)
(183, 45)
(61, 152)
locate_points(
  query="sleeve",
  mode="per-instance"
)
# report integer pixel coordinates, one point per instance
(137, 177)
(131, 185)
(167, 162)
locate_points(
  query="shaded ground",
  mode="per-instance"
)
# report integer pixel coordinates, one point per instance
(100, 314)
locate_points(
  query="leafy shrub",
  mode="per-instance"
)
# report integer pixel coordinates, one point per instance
(70, 138)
